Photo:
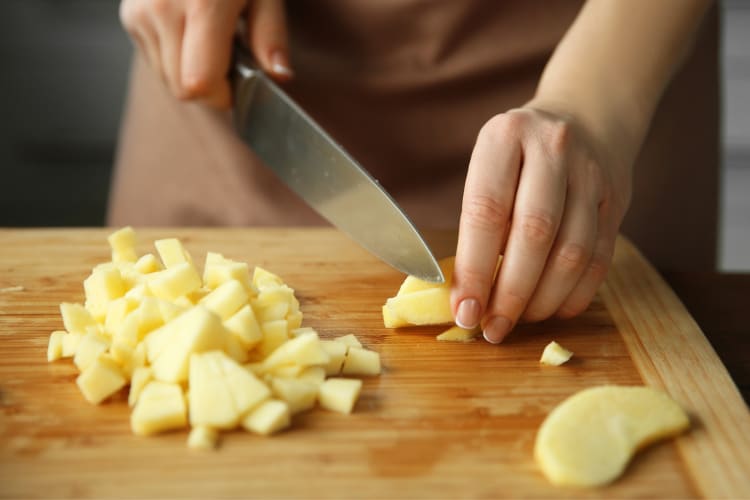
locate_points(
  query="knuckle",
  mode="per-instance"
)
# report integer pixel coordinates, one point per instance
(598, 268)
(131, 14)
(509, 303)
(484, 212)
(559, 137)
(472, 282)
(535, 313)
(538, 228)
(161, 7)
(506, 124)
(572, 257)
(572, 309)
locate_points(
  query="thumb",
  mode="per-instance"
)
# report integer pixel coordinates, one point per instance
(267, 37)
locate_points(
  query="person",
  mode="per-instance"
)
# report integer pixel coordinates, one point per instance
(518, 122)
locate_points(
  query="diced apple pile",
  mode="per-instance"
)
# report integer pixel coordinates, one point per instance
(214, 351)
(419, 302)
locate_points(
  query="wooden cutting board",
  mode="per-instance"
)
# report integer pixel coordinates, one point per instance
(444, 420)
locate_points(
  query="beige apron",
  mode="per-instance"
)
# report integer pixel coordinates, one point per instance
(405, 86)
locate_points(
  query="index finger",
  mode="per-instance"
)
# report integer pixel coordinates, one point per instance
(536, 219)
(487, 202)
(207, 51)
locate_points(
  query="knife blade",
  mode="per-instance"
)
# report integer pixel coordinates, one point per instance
(320, 171)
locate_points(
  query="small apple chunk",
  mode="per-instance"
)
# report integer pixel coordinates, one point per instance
(269, 417)
(458, 334)
(304, 350)
(195, 331)
(339, 394)
(554, 354)
(349, 339)
(161, 407)
(101, 379)
(172, 252)
(54, 348)
(90, 347)
(141, 377)
(361, 361)
(203, 437)
(589, 438)
(122, 242)
(209, 396)
(336, 355)
(76, 319)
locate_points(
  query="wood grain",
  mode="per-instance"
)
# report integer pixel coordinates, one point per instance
(444, 420)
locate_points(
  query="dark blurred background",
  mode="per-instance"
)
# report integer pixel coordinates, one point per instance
(63, 78)
(62, 82)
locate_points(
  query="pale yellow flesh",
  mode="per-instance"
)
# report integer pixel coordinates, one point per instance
(589, 439)
(555, 355)
(181, 339)
(458, 334)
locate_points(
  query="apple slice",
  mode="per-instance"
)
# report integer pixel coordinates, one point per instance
(590, 437)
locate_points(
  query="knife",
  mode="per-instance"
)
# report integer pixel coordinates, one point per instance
(318, 169)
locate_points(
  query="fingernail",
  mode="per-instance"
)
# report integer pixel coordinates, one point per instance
(280, 65)
(467, 315)
(496, 330)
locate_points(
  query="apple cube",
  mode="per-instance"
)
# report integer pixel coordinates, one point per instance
(70, 344)
(313, 374)
(76, 318)
(203, 437)
(245, 327)
(147, 264)
(117, 310)
(122, 242)
(226, 299)
(160, 407)
(172, 252)
(263, 279)
(89, 349)
(269, 417)
(210, 399)
(339, 394)
(175, 281)
(149, 316)
(349, 340)
(234, 348)
(217, 273)
(336, 354)
(554, 354)
(141, 377)
(246, 389)
(299, 394)
(197, 330)
(55, 346)
(104, 285)
(304, 350)
(275, 333)
(101, 379)
(361, 361)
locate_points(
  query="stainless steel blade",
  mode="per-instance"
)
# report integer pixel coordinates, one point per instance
(312, 164)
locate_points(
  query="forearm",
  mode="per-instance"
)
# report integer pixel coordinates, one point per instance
(613, 65)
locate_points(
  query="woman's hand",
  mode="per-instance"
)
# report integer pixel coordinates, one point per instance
(539, 191)
(189, 42)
